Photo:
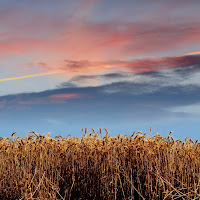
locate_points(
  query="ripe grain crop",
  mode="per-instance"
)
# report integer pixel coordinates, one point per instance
(99, 167)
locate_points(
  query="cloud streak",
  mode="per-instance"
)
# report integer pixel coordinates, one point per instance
(48, 99)
(85, 39)
(135, 66)
(33, 75)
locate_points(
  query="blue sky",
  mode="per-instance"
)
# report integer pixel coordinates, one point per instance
(120, 65)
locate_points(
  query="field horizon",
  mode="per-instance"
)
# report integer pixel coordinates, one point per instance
(98, 166)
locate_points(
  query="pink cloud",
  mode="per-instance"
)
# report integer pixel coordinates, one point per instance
(65, 96)
(55, 98)
(105, 41)
(121, 40)
(145, 65)
(136, 66)
(52, 38)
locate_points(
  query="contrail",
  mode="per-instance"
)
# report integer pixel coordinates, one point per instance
(193, 53)
(34, 75)
(49, 73)
(189, 54)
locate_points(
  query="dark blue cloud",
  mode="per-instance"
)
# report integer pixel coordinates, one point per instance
(109, 76)
(97, 108)
(149, 99)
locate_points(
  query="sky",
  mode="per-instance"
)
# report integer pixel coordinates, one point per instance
(122, 65)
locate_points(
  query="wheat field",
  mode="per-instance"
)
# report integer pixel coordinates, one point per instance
(98, 166)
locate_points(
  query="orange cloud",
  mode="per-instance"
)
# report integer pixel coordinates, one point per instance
(55, 98)
(65, 96)
(193, 53)
(136, 66)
